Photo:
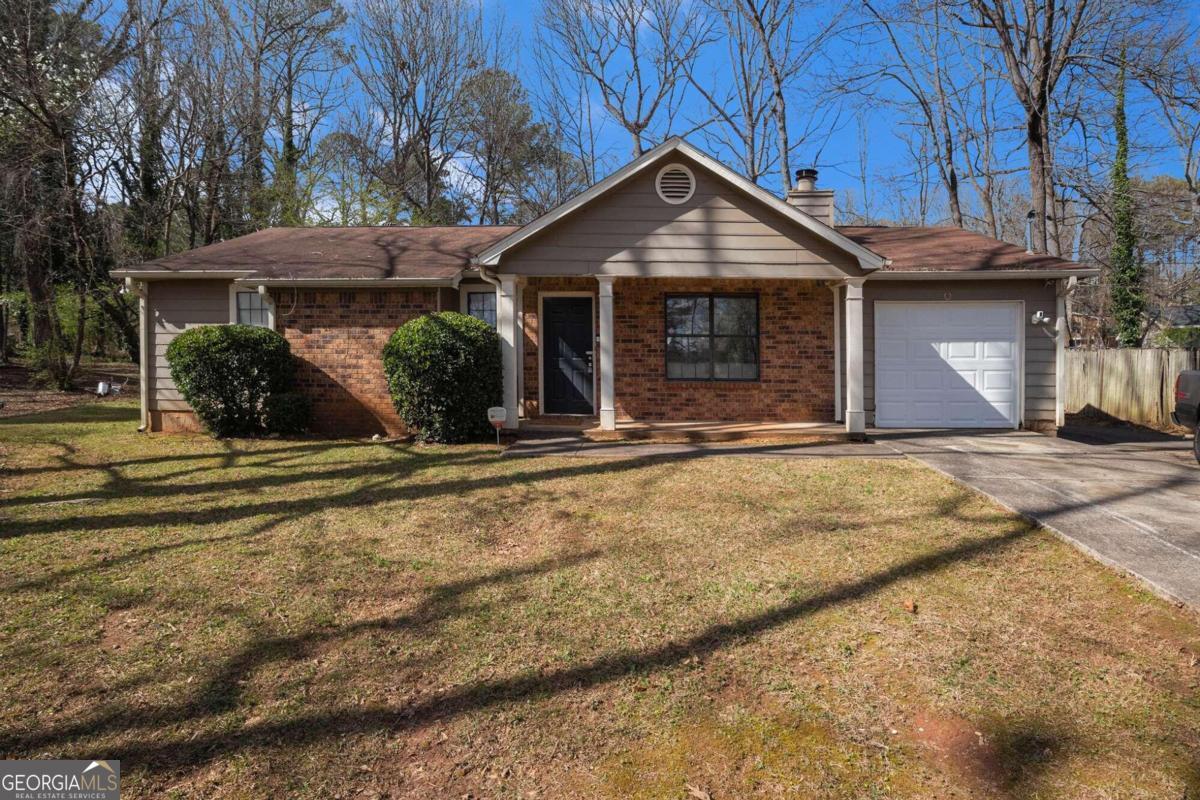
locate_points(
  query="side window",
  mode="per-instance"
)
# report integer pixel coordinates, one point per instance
(252, 310)
(482, 305)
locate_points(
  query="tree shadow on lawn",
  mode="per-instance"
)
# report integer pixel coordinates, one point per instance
(89, 411)
(220, 692)
(380, 491)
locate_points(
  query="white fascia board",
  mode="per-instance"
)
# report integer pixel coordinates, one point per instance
(177, 274)
(867, 259)
(349, 282)
(982, 275)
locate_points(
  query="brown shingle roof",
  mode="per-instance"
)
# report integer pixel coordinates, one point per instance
(929, 249)
(377, 253)
(436, 253)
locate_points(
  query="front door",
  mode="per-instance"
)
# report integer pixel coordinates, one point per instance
(567, 355)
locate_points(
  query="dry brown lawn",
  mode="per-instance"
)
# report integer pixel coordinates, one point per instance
(352, 619)
(22, 393)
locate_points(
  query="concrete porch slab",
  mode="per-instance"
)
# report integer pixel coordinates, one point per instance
(705, 431)
(579, 446)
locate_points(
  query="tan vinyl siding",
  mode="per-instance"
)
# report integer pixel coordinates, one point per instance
(1038, 295)
(176, 306)
(719, 231)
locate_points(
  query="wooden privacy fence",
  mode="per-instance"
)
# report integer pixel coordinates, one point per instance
(1134, 385)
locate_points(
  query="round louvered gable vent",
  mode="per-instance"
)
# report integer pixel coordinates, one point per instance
(675, 183)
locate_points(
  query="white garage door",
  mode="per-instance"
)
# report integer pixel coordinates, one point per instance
(947, 365)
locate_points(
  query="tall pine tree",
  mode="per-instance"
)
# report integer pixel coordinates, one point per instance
(1125, 281)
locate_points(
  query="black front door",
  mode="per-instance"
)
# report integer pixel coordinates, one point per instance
(567, 355)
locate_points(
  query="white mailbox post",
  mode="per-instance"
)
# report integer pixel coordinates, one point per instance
(497, 415)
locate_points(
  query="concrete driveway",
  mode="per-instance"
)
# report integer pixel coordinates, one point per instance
(1131, 501)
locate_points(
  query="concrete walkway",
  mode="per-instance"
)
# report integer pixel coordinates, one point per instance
(1131, 502)
(578, 446)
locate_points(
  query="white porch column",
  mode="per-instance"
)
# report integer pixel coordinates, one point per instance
(855, 415)
(510, 335)
(836, 288)
(608, 409)
(1060, 355)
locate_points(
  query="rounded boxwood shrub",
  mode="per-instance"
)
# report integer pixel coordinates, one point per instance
(226, 372)
(444, 372)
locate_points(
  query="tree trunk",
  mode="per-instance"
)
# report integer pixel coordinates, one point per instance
(1036, 147)
(80, 333)
(116, 310)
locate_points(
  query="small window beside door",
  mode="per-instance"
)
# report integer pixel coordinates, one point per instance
(482, 306)
(252, 309)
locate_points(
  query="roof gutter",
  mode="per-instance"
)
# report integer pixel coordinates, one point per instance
(180, 274)
(981, 275)
(356, 282)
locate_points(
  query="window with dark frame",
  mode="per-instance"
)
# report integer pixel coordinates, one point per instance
(252, 310)
(712, 337)
(482, 305)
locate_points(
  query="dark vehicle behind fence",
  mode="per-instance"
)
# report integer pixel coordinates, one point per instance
(1187, 402)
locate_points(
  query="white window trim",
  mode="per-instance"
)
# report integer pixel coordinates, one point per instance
(683, 168)
(465, 289)
(234, 288)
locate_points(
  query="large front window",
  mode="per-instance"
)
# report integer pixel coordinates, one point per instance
(712, 337)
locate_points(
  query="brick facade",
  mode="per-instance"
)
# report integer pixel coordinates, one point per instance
(795, 351)
(337, 337)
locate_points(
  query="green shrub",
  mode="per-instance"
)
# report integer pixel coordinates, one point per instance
(226, 372)
(444, 372)
(1179, 337)
(287, 413)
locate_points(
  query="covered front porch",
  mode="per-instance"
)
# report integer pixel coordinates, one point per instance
(600, 354)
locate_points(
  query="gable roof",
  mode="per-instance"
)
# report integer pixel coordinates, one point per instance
(299, 254)
(438, 255)
(953, 250)
(867, 259)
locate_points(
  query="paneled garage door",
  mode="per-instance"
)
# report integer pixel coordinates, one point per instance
(947, 365)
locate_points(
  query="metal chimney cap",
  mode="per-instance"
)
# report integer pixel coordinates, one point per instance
(808, 173)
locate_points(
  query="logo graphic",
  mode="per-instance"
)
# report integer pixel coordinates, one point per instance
(60, 780)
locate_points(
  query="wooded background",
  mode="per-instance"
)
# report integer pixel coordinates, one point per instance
(131, 130)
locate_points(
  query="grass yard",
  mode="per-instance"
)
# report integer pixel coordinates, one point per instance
(354, 619)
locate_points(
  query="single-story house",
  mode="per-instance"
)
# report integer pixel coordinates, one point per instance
(672, 290)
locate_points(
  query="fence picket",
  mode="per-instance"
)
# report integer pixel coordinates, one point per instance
(1133, 385)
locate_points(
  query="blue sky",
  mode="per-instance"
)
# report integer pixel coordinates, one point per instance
(839, 159)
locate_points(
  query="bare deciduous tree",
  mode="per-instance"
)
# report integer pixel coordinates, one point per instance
(634, 53)
(414, 58)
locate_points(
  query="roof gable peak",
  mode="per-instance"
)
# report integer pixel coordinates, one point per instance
(867, 259)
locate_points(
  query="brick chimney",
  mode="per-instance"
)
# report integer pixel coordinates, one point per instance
(808, 198)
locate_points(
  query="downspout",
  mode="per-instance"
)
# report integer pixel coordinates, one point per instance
(141, 290)
(1065, 289)
(492, 279)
